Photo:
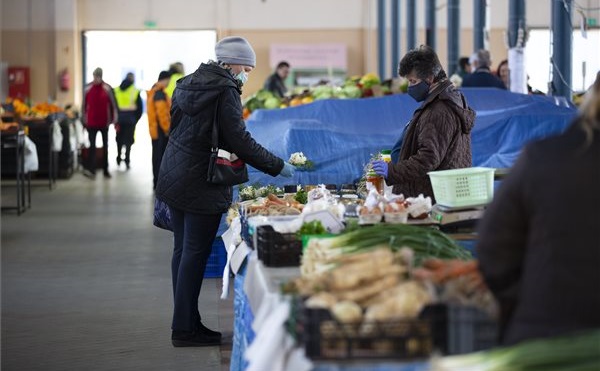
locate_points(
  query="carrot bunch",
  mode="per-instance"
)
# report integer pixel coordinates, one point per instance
(442, 271)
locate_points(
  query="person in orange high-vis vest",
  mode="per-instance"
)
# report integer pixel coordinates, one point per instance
(159, 120)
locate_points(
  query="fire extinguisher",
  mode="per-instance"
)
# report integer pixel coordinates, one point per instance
(64, 80)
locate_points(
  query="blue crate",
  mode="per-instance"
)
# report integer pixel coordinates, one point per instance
(216, 260)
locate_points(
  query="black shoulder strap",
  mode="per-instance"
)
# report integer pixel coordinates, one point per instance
(215, 128)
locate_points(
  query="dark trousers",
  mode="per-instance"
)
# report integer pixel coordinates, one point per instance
(158, 150)
(193, 238)
(92, 153)
(125, 134)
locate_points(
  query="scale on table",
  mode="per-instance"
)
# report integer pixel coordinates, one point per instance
(457, 218)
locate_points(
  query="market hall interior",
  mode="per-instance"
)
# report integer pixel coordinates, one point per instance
(86, 281)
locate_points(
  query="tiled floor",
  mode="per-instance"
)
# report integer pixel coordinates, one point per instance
(86, 279)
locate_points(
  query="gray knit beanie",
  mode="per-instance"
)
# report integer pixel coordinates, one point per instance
(235, 50)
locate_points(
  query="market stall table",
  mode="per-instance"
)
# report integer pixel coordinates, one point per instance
(13, 163)
(260, 339)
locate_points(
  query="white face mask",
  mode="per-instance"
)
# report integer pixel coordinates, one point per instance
(242, 76)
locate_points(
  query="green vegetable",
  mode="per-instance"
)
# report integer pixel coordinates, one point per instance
(580, 352)
(272, 103)
(313, 227)
(301, 196)
(425, 242)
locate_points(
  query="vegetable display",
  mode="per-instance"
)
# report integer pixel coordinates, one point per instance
(424, 242)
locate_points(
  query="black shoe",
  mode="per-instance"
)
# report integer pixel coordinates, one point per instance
(107, 174)
(208, 332)
(127, 165)
(118, 160)
(193, 339)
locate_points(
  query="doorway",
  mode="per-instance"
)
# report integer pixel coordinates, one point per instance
(145, 53)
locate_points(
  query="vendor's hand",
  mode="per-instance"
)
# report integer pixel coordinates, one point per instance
(288, 170)
(380, 168)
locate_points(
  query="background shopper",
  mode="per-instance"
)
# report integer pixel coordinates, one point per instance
(503, 73)
(177, 71)
(275, 83)
(159, 121)
(482, 77)
(99, 110)
(129, 104)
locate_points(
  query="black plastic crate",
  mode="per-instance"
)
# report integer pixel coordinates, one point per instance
(278, 249)
(459, 329)
(325, 338)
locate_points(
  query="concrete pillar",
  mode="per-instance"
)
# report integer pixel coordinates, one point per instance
(479, 10)
(395, 36)
(562, 48)
(411, 24)
(381, 30)
(430, 24)
(453, 35)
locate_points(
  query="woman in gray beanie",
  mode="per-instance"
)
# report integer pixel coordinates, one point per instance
(196, 205)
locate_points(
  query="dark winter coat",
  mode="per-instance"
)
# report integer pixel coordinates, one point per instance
(539, 241)
(482, 78)
(438, 137)
(182, 178)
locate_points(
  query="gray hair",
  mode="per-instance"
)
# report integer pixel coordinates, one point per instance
(483, 58)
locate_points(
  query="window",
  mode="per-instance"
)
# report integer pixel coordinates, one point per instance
(585, 51)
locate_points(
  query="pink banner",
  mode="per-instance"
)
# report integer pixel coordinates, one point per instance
(309, 55)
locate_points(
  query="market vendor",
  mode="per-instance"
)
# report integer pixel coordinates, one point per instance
(539, 246)
(438, 137)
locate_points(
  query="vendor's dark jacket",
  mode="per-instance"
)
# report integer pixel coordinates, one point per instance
(182, 180)
(275, 85)
(539, 241)
(482, 78)
(437, 138)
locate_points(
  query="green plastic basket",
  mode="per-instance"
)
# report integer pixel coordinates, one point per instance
(471, 186)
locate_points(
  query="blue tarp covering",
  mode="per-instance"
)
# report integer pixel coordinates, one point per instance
(339, 136)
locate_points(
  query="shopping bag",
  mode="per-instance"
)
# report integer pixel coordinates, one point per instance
(162, 215)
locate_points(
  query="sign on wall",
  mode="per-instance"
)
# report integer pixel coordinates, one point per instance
(309, 55)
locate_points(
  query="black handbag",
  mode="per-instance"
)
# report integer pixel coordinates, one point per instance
(224, 168)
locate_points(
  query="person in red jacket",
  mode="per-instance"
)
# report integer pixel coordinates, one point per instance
(98, 111)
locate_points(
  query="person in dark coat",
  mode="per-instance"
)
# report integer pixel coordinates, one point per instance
(438, 137)
(196, 206)
(539, 241)
(130, 108)
(482, 77)
(275, 83)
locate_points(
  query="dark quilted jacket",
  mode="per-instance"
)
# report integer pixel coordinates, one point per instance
(182, 178)
(437, 138)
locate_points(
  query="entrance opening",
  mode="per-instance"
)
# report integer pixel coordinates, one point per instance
(145, 54)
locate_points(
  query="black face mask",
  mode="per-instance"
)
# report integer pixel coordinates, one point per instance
(419, 91)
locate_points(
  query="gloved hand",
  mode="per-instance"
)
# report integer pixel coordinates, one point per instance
(288, 170)
(380, 168)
